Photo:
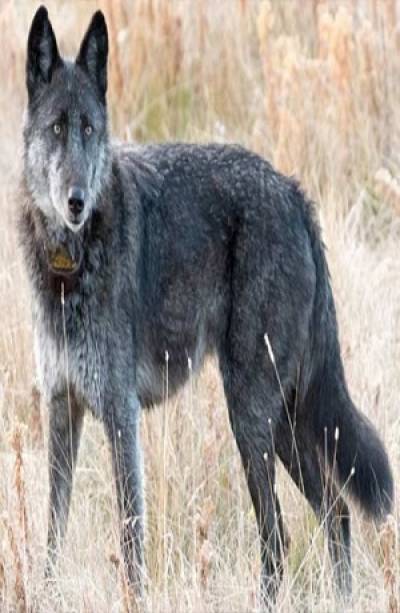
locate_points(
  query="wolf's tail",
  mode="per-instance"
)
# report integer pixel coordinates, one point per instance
(352, 448)
(345, 437)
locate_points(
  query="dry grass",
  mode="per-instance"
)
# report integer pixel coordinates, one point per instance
(315, 87)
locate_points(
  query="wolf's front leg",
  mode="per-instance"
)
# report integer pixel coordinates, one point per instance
(65, 425)
(122, 426)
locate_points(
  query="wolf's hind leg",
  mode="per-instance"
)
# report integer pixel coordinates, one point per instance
(252, 431)
(298, 452)
(65, 426)
(122, 427)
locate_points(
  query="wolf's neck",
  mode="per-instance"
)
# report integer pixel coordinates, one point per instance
(56, 237)
(47, 246)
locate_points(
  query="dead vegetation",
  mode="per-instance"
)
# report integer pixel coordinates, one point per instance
(315, 87)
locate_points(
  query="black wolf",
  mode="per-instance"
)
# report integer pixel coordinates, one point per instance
(135, 251)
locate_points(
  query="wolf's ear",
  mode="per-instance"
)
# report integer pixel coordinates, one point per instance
(43, 56)
(93, 53)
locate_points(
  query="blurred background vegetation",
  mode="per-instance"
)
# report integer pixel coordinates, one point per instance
(314, 86)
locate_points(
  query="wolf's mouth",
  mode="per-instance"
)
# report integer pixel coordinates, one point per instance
(74, 225)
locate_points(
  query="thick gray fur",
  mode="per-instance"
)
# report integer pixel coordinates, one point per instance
(191, 250)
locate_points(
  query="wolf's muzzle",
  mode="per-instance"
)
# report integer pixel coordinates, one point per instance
(76, 201)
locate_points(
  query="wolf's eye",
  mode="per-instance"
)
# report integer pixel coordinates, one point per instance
(88, 130)
(57, 129)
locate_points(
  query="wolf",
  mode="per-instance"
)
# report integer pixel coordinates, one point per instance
(142, 254)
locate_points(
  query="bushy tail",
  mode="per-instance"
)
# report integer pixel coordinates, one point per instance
(345, 437)
(351, 446)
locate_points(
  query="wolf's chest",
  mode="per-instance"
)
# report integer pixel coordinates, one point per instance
(75, 355)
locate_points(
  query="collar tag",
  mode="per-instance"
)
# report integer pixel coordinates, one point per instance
(61, 261)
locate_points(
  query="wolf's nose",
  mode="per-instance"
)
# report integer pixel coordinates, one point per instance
(76, 200)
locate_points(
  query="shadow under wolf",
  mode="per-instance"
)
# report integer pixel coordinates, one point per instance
(135, 251)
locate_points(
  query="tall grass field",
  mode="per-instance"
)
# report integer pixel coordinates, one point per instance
(314, 86)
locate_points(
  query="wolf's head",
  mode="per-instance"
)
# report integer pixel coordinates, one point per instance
(66, 137)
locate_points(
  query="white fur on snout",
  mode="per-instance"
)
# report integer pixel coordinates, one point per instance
(73, 226)
(58, 193)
